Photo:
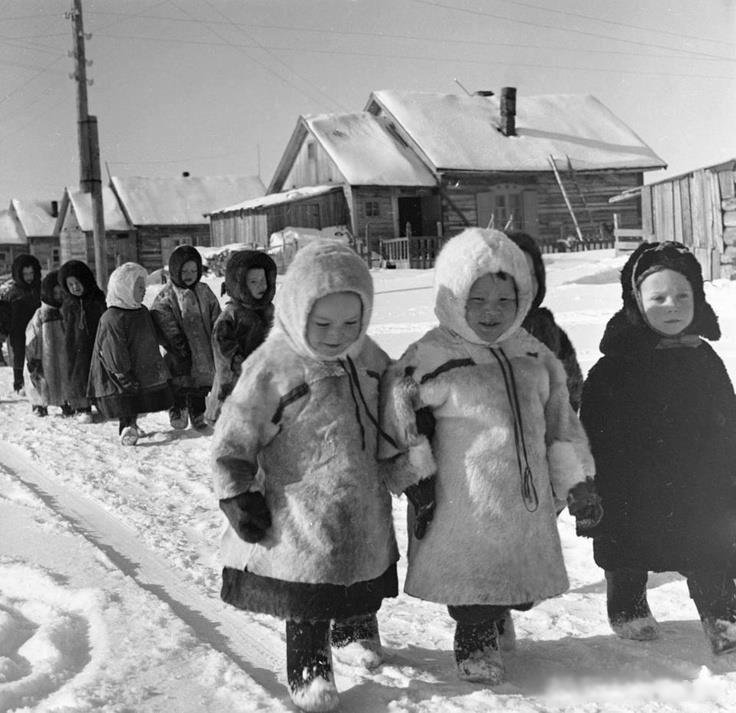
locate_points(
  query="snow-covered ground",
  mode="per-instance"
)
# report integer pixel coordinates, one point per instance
(109, 577)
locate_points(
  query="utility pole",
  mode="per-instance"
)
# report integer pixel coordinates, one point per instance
(89, 145)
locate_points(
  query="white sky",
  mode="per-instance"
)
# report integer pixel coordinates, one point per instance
(207, 85)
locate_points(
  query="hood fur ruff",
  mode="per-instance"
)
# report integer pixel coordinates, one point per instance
(320, 269)
(121, 283)
(466, 257)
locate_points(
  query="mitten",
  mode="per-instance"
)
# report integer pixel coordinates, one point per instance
(425, 422)
(421, 496)
(224, 392)
(248, 515)
(585, 504)
(127, 383)
(35, 368)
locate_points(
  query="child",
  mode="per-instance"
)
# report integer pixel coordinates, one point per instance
(185, 312)
(83, 305)
(127, 374)
(506, 444)
(18, 303)
(250, 281)
(660, 412)
(296, 473)
(45, 355)
(540, 322)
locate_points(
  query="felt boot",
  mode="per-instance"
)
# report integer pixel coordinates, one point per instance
(714, 595)
(628, 611)
(178, 418)
(309, 665)
(506, 632)
(356, 641)
(477, 653)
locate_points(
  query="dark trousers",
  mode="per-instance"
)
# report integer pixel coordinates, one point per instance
(126, 421)
(18, 349)
(713, 593)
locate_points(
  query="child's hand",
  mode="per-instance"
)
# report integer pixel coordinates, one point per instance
(248, 515)
(421, 496)
(585, 504)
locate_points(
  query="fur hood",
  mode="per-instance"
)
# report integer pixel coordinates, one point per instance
(529, 245)
(235, 275)
(47, 289)
(78, 269)
(466, 257)
(320, 269)
(121, 283)
(26, 260)
(182, 254)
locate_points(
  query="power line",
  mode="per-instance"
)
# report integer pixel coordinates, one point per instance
(597, 35)
(30, 79)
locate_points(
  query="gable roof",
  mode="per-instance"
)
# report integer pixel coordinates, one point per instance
(361, 147)
(81, 204)
(462, 132)
(10, 233)
(34, 217)
(272, 199)
(181, 200)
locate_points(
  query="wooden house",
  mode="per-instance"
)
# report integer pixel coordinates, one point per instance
(75, 230)
(36, 220)
(12, 242)
(166, 212)
(698, 209)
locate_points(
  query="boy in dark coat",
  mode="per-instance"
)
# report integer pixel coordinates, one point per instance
(18, 303)
(83, 305)
(660, 413)
(185, 312)
(250, 282)
(128, 375)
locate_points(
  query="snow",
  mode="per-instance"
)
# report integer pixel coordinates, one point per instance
(461, 132)
(272, 199)
(34, 217)
(109, 575)
(82, 205)
(9, 232)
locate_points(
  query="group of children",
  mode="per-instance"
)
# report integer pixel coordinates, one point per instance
(83, 348)
(476, 423)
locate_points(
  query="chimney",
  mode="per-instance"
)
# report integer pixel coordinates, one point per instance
(508, 111)
(54, 209)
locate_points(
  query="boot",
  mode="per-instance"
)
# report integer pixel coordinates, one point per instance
(628, 611)
(356, 641)
(178, 418)
(198, 421)
(715, 598)
(477, 654)
(129, 436)
(84, 414)
(40, 410)
(506, 632)
(309, 665)
(66, 410)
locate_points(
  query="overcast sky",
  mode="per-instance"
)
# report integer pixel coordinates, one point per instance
(209, 86)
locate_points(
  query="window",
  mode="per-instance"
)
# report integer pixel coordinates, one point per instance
(372, 209)
(311, 150)
(55, 256)
(503, 206)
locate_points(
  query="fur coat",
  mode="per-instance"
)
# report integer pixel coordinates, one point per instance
(81, 317)
(18, 302)
(185, 317)
(302, 428)
(493, 539)
(662, 425)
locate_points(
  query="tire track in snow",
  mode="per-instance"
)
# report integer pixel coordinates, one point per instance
(255, 648)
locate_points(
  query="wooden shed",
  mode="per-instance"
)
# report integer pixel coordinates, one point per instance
(37, 220)
(698, 209)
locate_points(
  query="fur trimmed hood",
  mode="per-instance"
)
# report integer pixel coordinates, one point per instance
(181, 255)
(466, 257)
(121, 283)
(80, 270)
(236, 271)
(48, 283)
(529, 245)
(26, 260)
(320, 269)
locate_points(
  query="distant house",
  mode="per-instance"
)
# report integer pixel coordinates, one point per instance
(75, 229)
(12, 242)
(166, 212)
(37, 220)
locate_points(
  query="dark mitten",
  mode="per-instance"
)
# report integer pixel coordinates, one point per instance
(585, 504)
(425, 422)
(421, 496)
(35, 368)
(248, 515)
(127, 383)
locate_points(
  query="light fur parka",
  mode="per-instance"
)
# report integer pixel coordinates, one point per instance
(45, 343)
(302, 428)
(487, 544)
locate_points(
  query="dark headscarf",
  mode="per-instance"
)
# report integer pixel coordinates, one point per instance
(78, 269)
(236, 272)
(181, 255)
(26, 260)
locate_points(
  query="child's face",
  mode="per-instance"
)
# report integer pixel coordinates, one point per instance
(491, 306)
(667, 301)
(255, 281)
(139, 289)
(530, 263)
(189, 273)
(74, 286)
(334, 323)
(58, 293)
(27, 274)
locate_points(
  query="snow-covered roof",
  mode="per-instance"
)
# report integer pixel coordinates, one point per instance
(366, 153)
(82, 204)
(10, 233)
(296, 194)
(34, 217)
(181, 200)
(462, 132)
